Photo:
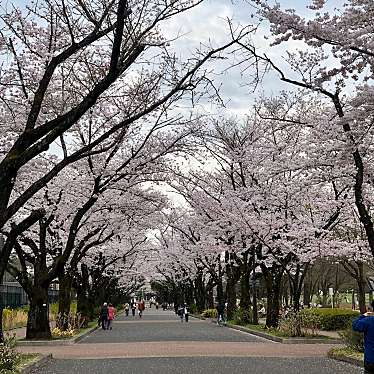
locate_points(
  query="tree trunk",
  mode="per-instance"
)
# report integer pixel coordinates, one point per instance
(273, 279)
(200, 293)
(64, 301)
(1, 324)
(245, 299)
(307, 294)
(84, 307)
(220, 297)
(38, 316)
(210, 297)
(231, 297)
(361, 283)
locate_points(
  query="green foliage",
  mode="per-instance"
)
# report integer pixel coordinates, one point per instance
(333, 319)
(193, 308)
(242, 316)
(352, 339)
(209, 313)
(300, 324)
(9, 357)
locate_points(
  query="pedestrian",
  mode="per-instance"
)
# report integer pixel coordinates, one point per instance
(127, 308)
(111, 315)
(156, 305)
(220, 313)
(141, 307)
(185, 312)
(104, 316)
(365, 323)
(180, 312)
(133, 307)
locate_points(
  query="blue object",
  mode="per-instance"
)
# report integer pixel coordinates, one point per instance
(366, 325)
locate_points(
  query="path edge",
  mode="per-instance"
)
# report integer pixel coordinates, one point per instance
(31, 367)
(342, 358)
(57, 342)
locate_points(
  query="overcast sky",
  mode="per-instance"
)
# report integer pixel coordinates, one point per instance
(208, 22)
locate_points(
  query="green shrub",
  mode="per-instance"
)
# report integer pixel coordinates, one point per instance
(353, 339)
(300, 324)
(209, 313)
(333, 319)
(242, 316)
(9, 357)
(193, 308)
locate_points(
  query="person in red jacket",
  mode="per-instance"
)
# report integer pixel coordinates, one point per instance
(141, 307)
(111, 315)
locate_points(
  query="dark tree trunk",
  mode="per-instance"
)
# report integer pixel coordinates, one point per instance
(200, 293)
(210, 299)
(38, 316)
(307, 294)
(231, 297)
(273, 279)
(245, 299)
(361, 285)
(1, 324)
(64, 300)
(220, 296)
(84, 307)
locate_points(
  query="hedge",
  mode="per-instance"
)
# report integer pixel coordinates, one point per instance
(333, 318)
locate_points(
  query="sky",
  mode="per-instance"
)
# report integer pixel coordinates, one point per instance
(207, 23)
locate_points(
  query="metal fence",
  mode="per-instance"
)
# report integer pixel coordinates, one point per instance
(13, 296)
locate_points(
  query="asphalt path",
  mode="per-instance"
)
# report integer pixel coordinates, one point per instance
(151, 346)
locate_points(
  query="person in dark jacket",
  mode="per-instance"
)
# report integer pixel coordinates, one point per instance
(365, 323)
(220, 312)
(104, 316)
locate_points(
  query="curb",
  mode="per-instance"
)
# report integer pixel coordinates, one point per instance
(279, 339)
(57, 342)
(349, 360)
(273, 338)
(82, 335)
(33, 366)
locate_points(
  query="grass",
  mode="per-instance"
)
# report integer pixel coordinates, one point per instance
(275, 332)
(90, 325)
(26, 359)
(346, 352)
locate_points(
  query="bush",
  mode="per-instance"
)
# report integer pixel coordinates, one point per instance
(193, 308)
(299, 324)
(333, 319)
(13, 318)
(353, 339)
(9, 357)
(58, 333)
(71, 321)
(242, 316)
(209, 313)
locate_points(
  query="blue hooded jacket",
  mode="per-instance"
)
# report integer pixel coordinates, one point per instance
(366, 325)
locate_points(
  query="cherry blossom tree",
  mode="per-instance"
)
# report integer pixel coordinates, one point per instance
(72, 64)
(334, 61)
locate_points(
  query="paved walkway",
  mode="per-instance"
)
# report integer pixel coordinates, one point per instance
(160, 343)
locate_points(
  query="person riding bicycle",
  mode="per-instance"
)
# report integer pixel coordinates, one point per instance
(220, 312)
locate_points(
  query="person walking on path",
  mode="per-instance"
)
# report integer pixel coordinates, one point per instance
(127, 308)
(180, 312)
(111, 315)
(141, 307)
(365, 323)
(104, 316)
(133, 308)
(220, 313)
(185, 312)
